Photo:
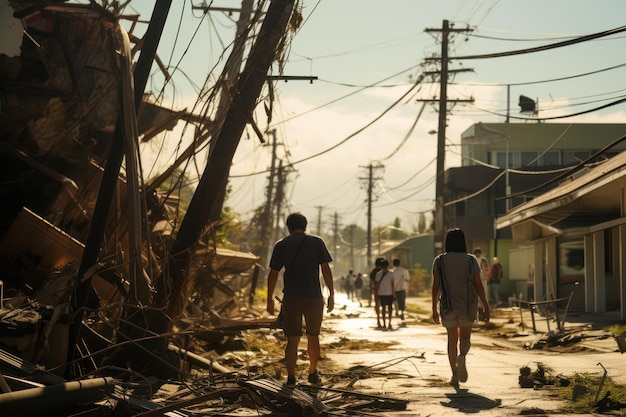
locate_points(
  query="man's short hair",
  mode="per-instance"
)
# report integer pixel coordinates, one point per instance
(384, 263)
(396, 262)
(296, 221)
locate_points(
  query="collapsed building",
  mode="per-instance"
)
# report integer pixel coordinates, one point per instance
(99, 266)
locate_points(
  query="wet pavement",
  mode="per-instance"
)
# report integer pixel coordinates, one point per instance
(415, 367)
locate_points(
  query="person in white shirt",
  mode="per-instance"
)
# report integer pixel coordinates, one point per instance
(386, 292)
(401, 277)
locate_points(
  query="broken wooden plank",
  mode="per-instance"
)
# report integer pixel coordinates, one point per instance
(270, 386)
(375, 401)
(158, 411)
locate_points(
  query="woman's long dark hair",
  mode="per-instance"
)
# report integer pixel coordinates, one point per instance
(455, 241)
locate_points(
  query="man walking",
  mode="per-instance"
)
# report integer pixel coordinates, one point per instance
(302, 256)
(385, 290)
(372, 287)
(495, 276)
(350, 285)
(401, 277)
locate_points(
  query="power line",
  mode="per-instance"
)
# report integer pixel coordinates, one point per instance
(344, 96)
(414, 175)
(543, 81)
(352, 135)
(574, 41)
(406, 137)
(568, 171)
(565, 174)
(565, 116)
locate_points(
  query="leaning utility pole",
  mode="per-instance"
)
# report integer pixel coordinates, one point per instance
(441, 131)
(247, 89)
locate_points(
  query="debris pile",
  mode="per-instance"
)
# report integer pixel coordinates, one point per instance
(540, 377)
(206, 390)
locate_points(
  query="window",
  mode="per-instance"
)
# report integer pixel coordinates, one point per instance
(550, 159)
(501, 159)
(571, 260)
(527, 158)
(535, 159)
(574, 157)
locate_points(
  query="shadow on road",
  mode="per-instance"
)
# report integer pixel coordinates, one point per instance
(466, 402)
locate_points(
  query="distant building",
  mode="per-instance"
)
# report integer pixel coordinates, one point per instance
(538, 157)
(414, 250)
(577, 233)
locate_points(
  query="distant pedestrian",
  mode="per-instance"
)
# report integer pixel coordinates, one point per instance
(455, 293)
(385, 289)
(493, 280)
(484, 273)
(358, 287)
(372, 287)
(302, 256)
(401, 278)
(349, 285)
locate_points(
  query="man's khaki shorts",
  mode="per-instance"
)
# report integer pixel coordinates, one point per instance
(295, 308)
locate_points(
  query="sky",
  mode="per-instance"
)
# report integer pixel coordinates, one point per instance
(365, 108)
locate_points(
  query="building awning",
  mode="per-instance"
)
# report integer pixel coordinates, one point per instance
(589, 199)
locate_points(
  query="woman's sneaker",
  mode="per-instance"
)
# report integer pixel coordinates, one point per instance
(315, 378)
(454, 381)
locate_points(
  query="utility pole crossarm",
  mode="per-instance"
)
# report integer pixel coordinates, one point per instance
(450, 71)
(286, 78)
(436, 100)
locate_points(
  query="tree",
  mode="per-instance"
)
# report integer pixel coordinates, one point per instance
(396, 232)
(421, 225)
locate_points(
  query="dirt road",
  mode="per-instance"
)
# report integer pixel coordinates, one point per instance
(415, 367)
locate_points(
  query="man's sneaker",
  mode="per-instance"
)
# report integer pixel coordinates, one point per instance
(454, 381)
(315, 378)
(291, 381)
(461, 368)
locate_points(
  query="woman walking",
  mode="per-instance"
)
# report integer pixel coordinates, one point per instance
(456, 289)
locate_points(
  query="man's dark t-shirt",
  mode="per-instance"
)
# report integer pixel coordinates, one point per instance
(302, 276)
(373, 276)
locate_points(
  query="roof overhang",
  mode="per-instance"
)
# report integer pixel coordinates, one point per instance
(594, 198)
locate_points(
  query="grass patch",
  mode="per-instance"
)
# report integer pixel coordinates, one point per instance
(583, 390)
(616, 329)
(359, 344)
(416, 309)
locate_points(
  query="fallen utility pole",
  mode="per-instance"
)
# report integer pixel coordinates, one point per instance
(246, 91)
